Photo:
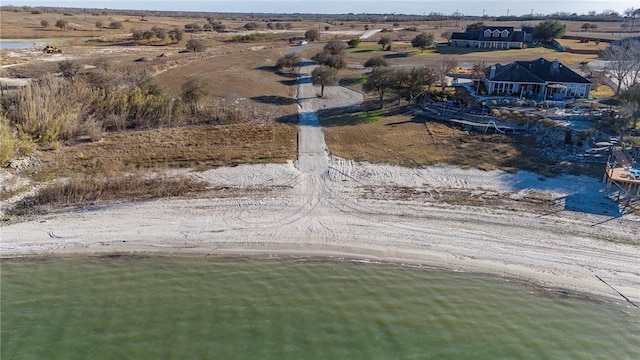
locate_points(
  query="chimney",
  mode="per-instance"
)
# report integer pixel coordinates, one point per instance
(555, 66)
(492, 72)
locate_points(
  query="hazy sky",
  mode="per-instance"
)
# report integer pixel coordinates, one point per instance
(468, 7)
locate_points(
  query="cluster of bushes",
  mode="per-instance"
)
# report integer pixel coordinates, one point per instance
(253, 37)
(279, 26)
(215, 25)
(332, 55)
(112, 184)
(50, 110)
(175, 35)
(513, 102)
(53, 110)
(519, 118)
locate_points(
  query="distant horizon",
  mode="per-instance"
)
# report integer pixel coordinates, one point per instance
(405, 7)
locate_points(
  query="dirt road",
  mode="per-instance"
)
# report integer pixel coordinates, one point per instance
(312, 149)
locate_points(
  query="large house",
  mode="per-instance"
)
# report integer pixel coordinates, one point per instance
(493, 37)
(538, 78)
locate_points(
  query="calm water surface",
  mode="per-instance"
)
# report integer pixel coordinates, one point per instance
(195, 308)
(4, 44)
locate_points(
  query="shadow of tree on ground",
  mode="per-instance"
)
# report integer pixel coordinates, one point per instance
(274, 100)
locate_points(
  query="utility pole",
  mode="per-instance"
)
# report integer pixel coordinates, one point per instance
(482, 14)
(507, 12)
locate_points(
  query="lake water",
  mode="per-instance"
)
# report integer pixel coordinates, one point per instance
(199, 308)
(4, 44)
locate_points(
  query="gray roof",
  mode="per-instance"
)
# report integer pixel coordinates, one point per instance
(535, 71)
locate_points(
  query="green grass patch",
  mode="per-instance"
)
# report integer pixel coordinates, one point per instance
(360, 117)
(425, 52)
(369, 116)
(364, 48)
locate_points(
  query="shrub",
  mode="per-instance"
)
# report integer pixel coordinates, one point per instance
(115, 25)
(62, 24)
(193, 27)
(195, 45)
(312, 35)
(251, 26)
(112, 184)
(354, 43)
(12, 142)
(290, 61)
(52, 110)
(176, 34)
(249, 37)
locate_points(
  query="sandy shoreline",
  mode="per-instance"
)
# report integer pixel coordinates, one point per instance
(329, 207)
(310, 215)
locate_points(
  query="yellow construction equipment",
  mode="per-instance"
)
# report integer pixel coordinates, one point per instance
(51, 49)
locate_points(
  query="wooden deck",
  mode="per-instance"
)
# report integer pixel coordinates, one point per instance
(618, 174)
(623, 185)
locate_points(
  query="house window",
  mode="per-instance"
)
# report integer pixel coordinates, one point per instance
(496, 33)
(504, 33)
(487, 33)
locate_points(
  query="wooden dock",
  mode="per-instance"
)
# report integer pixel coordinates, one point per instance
(622, 185)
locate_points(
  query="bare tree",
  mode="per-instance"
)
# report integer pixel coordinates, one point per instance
(44, 23)
(624, 63)
(631, 104)
(444, 66)
(99, 25)
(415, 82)
(477, 72)
(323, 76)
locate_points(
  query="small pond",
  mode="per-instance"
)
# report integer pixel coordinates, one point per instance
(8, 44)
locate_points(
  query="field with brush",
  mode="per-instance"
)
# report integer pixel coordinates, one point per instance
(199, 147)
(409, 141)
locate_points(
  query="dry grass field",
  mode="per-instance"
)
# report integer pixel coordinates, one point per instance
(576, 44)
(25, 25)
(407, 141)
(199, 147)
(245, 77)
